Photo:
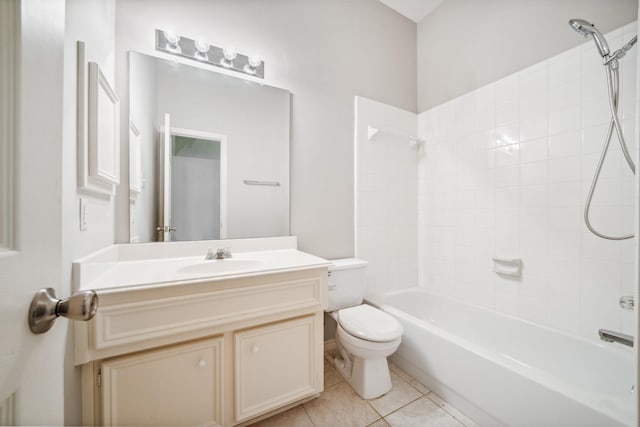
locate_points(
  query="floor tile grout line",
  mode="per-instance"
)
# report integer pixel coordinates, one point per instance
(375, 421)
(402, 376)
(326, 387)
(308, 416)
(416, 388)
(397, 409)
(395, 370)
(444, 407)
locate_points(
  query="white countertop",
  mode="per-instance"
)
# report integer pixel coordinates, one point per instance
(105, 271)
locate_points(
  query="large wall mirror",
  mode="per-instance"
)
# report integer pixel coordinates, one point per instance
(209, 154)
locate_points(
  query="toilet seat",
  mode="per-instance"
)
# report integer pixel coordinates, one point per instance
(369, 323)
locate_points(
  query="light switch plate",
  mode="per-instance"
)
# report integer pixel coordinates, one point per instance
(83, 214)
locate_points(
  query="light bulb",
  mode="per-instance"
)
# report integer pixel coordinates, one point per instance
(171, 37)
(229, 55)
(202, 48)
(255, 61)
(252, 66)
(172, 41)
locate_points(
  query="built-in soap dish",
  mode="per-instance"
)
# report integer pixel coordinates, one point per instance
(507, 266)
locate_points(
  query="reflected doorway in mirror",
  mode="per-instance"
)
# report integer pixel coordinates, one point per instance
(189, 210)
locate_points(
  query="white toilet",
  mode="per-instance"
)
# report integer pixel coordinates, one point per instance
(365, 335)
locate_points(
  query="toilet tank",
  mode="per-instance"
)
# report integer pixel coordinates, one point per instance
(346, 283)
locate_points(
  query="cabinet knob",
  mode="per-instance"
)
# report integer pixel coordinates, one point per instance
(255, 348)
(202, 363)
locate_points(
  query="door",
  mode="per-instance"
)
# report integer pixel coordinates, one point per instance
(179, 385)
(198, 185)
(275, 365)
(31, 366)
(193, 202)
(165, 228)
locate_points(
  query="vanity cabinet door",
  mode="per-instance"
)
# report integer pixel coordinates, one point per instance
(276, 365)
(179, 385)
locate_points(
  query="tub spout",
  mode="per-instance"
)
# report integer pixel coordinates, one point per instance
(612, 336)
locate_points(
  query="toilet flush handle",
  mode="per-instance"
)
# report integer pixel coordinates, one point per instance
(332, 286)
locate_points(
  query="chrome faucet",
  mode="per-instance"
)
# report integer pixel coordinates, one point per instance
(221, 253)
(619, 337)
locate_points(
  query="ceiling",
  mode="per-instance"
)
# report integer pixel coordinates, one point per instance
(415, 10)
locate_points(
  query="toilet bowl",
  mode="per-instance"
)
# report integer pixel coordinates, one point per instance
(365, 336)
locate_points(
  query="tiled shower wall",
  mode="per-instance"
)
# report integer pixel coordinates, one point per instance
(386, 186)
(505, 172)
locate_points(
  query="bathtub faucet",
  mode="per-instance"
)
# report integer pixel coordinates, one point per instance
(612, 336)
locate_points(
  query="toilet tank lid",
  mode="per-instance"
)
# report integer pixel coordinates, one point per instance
(347, 263)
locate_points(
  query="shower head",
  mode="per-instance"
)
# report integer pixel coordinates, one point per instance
(588, 29)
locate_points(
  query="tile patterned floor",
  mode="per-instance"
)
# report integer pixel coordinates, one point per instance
(408, 404)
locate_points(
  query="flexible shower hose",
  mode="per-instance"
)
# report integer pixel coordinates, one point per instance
(613, 86)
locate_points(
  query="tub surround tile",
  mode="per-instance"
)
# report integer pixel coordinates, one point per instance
(339, 406)
(422, 412)
(401, 394)
(386, 187)
(545, 127)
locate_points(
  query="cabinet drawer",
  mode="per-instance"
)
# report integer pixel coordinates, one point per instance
(191, 308)
(179, 385)
(276, 365)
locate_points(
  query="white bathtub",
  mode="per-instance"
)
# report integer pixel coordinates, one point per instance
(503, 371)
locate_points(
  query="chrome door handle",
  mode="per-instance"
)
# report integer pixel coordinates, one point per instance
(46, 308)
(166, 228)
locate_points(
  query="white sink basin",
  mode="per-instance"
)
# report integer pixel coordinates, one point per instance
(221, 266)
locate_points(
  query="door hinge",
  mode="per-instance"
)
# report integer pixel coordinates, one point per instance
(99, 378)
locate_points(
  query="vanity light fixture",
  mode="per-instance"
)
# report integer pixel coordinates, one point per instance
(203, 52)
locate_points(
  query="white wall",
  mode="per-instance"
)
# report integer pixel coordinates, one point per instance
(92, 21)
(506, 171)
(325, 52)
(464, 45)
(386, 196)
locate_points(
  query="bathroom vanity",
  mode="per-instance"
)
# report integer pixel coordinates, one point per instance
(178, 339)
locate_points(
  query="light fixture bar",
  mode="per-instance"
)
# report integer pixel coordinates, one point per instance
(188, 48)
